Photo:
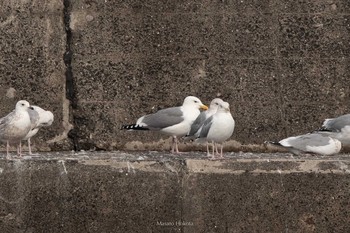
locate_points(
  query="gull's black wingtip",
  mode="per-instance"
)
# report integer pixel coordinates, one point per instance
(272, 143)
(133, 127)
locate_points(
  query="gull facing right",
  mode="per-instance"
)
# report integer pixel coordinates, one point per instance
(314, 143)
(174, 121)
(15, 126)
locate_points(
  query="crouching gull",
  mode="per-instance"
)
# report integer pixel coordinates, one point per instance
(15, 126)
(310, 143)
(39, 118)
(174, 121)
(217, 128)
(338, 128)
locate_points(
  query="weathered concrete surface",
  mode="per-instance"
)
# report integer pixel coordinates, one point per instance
(282, 65)
(157, 192)
(32, 45)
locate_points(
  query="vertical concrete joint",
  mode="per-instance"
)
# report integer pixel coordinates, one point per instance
(68, 55)
(70, 93)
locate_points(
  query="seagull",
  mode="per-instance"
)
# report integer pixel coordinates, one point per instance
(336, 124)
(39, 118)
(338, 128)
(15, 126)
(198, 123)
(217, 128)
(310, 143)
(174, 121)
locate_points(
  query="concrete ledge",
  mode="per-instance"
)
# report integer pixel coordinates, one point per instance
(159, 192)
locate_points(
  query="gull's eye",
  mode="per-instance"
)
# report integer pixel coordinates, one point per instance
(196, 101)
(22, 104)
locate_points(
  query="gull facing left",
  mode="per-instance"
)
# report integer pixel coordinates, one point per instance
(217, 128)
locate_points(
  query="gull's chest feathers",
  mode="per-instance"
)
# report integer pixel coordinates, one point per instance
(18, 127)
(190, 114)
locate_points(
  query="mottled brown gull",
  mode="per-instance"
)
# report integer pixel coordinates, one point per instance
(15, 126)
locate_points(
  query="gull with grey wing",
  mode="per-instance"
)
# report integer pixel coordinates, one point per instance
(15, 126)
(310, 143)
(217, 128)
(39, 118)
(174, 121)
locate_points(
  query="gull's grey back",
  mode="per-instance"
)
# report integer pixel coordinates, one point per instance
(336, 124)
(4, 121)
(34, 118)
(164, 118)
(197, 124)
(206, 127)
(306, 140)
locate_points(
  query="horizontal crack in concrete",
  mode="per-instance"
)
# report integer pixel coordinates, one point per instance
(255, 166)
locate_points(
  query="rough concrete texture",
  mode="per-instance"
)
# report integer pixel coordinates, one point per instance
(157, 192)
(282, 65)
(32, 45)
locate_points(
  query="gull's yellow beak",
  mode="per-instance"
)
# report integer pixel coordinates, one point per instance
(204, 107)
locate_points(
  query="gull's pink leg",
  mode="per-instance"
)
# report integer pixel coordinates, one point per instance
(216, 149)
(208, 152)
(29, 147)
(174, 144)
(213, 155)
(20, 149)
(7, 150)
(221, 154)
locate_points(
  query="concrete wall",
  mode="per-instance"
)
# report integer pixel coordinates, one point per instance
(153, 192)
(32, 46)
(282, 65)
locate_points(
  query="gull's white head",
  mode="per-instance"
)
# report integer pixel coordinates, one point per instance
(45, 117)
(195, 102)
(214, 104)
(224, 107)
(22, 105)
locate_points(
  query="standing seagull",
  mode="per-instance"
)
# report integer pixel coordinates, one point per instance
(15, 126)
(338, 128)
(39, 118)
(310, 143)
(202, 117)
(218, 128)
(198, 123)
(175, 121)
